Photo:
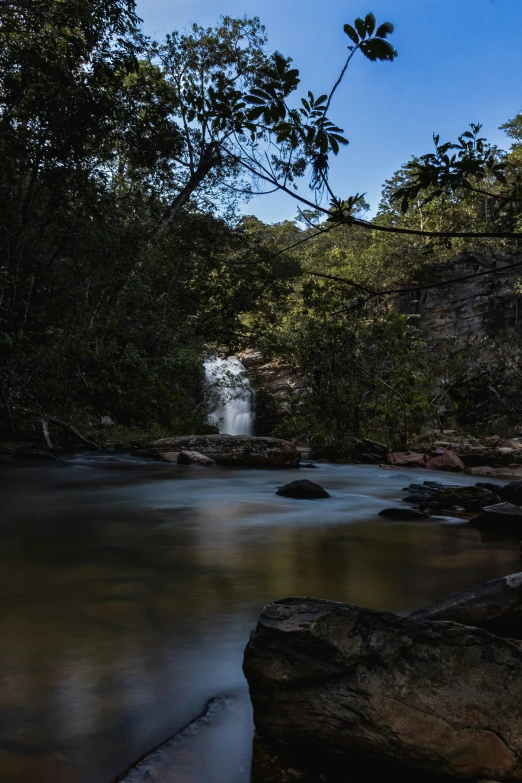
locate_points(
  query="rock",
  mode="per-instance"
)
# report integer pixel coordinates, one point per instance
(35, 452)
(445, 460)
(333, 678)
(194, 458)
(106, 421)
(407, 459)
(468, 498)
(370, 452)
(500, 518)
(402, 514)
(486, 470)
(307, 465)
(168, 456)
(302, 490)
(495, 488)
(495, 605)
(513, 492)
(241, 450)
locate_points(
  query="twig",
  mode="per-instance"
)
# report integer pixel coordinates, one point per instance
(75, 431)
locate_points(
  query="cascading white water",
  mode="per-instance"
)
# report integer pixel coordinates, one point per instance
(233, 412)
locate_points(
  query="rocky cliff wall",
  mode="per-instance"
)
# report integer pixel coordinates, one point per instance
(484, 305)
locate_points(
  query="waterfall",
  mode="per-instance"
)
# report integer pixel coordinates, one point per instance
(233, 412)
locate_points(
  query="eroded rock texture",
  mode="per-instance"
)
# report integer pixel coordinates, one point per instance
(439, 696)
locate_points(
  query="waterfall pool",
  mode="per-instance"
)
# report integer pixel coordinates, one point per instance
(130, 588)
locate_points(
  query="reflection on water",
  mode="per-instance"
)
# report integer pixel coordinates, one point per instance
(129, 591)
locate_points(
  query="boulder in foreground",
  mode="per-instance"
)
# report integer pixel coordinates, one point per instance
(303, 489)
(441, 697)
(239, 450)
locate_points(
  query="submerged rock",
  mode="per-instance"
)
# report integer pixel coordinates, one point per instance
(338, 679)
(194, 458)
(240, 450)
(403, 514)
(302, 490)
(495, 605)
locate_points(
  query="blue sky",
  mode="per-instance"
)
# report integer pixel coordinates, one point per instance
(459, 62)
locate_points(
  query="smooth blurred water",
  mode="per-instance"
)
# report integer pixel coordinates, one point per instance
(130, 588)
(233, 412)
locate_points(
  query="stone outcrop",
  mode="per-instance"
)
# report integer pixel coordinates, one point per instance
(442, 697)
(468, 498)
(303, 489)
(239, 450)
(495, 605)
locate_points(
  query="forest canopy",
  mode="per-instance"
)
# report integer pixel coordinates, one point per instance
(126, 255)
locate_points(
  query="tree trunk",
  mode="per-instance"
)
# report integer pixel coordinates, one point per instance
(206, 164)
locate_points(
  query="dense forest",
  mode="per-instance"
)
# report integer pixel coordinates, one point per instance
(126, 255)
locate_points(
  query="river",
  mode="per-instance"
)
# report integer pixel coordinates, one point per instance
(130, 588)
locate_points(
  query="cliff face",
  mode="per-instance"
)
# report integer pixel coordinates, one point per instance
(481, 306)
(278, 389)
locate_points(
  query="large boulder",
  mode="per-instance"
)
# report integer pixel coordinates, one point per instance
(445, 459)
(495, 605)
(333, 678)
(303, 490)
(240, 450)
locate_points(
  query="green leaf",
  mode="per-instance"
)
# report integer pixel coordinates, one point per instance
(369, 21)
(384, 30)
(361, 27)
(350, 32)
(378, 49)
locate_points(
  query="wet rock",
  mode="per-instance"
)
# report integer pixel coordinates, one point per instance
(240, 450)
(370, 452)
(307, 465)
(444, 459)
(495, 605)
(402, 514)
(334, 678)
(513, 492)
(468, 498)
(502, 517)
(194, 458)
(407, 459)
(302, 490)
(497, 489)
(35, 452)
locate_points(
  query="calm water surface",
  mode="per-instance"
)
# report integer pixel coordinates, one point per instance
(130, 588)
